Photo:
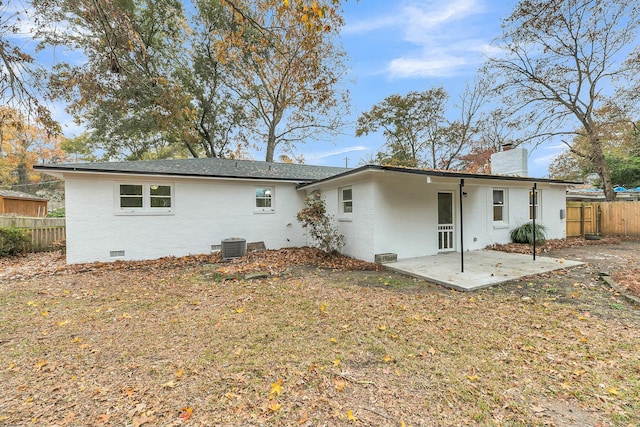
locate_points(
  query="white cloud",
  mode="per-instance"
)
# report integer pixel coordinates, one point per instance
(344, 150)
(441, 65)
(368, 25)
(441, 37)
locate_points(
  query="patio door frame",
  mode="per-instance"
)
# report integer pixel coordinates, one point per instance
(446, 233)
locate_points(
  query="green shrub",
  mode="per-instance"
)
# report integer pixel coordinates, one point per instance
(524, 233)
(14, 241)
(56, 213)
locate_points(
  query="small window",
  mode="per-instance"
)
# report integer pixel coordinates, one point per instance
(534, 204)
(264, 198)
(160, 196)
(131, 196)
(145, 198)
(346, 200)
(499, 205)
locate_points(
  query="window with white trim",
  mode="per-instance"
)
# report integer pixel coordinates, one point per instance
(264, 199)
(346, 200)
(500, 205)
(144, 198)
(534, 203)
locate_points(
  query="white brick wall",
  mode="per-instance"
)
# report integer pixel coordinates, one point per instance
(391, 213)
(205, 212)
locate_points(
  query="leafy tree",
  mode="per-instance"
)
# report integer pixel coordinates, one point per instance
(417, 131)
(560, 58)
(620, 144)
(20, 75)
(21, 146)
(286, 70)
(162, 81)
(624, 171)
(411, 124)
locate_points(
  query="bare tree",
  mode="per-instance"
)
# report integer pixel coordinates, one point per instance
(562, 61)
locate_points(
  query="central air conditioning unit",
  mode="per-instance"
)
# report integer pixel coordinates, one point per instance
(234, 247)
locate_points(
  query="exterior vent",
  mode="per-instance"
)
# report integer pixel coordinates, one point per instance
(116, 253)
(385, 258)
(234, 247)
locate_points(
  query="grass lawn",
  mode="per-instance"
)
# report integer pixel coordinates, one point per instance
(185, 346)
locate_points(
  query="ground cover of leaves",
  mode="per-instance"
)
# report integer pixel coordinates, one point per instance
(189, 341)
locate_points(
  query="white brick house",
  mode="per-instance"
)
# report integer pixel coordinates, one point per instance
(150, 209)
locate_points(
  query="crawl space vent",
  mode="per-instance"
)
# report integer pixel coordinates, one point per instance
(116, 253)
(234, 247)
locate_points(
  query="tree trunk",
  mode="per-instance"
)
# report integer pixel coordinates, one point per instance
(271, 144)
(598, 159)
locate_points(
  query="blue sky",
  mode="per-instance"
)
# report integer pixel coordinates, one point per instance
(403, 45)
(395, 46)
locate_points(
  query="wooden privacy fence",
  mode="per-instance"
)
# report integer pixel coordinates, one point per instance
(44, 231)
(620, 219)
(581, 219)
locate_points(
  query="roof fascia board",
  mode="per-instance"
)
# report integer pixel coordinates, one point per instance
(445, 176)
(60, 172)
(364, 170)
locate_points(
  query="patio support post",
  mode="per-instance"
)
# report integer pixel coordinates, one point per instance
(461, 229)
(533, 216)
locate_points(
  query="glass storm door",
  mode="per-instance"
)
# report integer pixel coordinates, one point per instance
(445, 222)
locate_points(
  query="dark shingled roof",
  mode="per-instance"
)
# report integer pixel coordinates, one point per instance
(18, 195)
(205, 167)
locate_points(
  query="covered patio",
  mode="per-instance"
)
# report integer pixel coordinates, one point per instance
(481, 268)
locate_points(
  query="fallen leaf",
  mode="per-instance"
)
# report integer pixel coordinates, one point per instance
(186, 412)
(276, 389)
(340, 385)
(103, 418)
(274, 406)
(351, 417)
(613, 391)
(388, 359)
(142, 419)
(70, 416)
(472, 377)
(64, 322)
(336, 362)
(240, 310)
(169, 384)
(304, 417)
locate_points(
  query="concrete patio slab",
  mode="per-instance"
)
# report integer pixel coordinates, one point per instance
(481, 268)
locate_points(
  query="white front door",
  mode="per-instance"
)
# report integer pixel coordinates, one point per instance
(445, 222)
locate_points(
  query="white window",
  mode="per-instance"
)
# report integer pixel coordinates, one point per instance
(534, 204)
(264, 199)
(144, 198)
(346, 200)
(500, 205)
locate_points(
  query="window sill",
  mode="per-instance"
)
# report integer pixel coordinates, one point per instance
(500, 225)
(265, 212)
(143, 213)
